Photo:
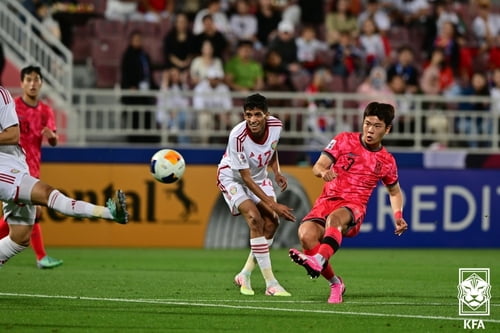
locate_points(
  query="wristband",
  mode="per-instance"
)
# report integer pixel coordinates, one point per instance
(398, 215)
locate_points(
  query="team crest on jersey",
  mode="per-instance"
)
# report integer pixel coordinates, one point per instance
(242, 158)
(331, 144)
(274, 144)
(233, 190)
(14, 171)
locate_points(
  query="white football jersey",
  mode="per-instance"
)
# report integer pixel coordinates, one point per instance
(9, 154)
(242, 152)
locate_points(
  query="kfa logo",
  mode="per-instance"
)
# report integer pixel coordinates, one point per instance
(474, 295)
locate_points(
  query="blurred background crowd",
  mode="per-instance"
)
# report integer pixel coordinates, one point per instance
(382, 48)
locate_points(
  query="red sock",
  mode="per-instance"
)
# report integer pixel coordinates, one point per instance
(4, 228)
(327, 272)
(37, 241)
(312, 251)
(331, 242)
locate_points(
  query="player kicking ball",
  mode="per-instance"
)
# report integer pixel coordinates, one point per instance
(243, 180)
(21, 192)
(351, 166)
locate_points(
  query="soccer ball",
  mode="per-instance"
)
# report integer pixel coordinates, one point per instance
(167, 166)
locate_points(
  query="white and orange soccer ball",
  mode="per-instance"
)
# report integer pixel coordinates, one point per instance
(167, 166)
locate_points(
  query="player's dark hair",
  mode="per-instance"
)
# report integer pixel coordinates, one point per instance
(31, 69)
(382, 111)
(255, 101)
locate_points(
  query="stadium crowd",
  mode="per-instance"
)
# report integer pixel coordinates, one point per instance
(383, 48)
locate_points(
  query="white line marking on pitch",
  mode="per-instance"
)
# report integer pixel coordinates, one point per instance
(188, 303)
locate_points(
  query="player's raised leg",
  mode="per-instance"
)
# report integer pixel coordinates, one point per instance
(43, 194)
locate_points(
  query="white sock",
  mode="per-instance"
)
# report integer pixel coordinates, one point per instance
(260, 250)
(8, 249)
(334, 280)
(320, 259)
(76, 208)
(251, 261)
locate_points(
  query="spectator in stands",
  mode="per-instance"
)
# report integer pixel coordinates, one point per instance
(219, 17)
(478, 86)
(213, 96)
(411, 13)
(404, 122)
(243, 24)
(178, 45)
(204, 62)
(312, 13)
(486, 28)
(373, 44)
(437, 77)
(319, 123)
(448, 40)
(219, 41)
(268, 18)
(285, 44)
(172, 105)
(404, 66)
(156, 10)
(44, 15)
(122, 10)
(340, 19)
(137, 74)
(375, 88)
(347, 56)
(374, 11)
(242, 72)
(309, 48)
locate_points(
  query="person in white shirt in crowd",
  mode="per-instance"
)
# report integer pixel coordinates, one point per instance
(172, 104)
(243, 24)
(219, 17)
(211, 95)
(201, 64)
(374, 10)
(486, 26)
(309, 47)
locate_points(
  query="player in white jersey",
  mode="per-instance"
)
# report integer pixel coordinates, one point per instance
(243, 180)
(20, 192)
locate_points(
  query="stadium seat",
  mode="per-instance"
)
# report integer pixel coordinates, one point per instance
(106, 76)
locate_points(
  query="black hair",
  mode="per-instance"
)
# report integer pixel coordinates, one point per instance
(31, 69)
(255, 101)
(382, 111)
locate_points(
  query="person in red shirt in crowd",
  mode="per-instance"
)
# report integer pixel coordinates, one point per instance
(351, 165)
(37, 122)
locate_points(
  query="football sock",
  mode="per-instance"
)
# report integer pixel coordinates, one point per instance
(4, 228)
(330, 243)
(250, 263)
(8, 249)
(334, 280)
(260, 250)
(37, 241)
(76, 208)
(327, 272)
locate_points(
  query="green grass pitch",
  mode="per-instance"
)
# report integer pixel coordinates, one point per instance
(189, 291)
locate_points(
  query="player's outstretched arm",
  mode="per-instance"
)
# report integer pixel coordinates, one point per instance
(280, 209)
(396, 199)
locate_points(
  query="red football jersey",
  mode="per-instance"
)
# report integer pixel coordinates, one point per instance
(358, 168)
(32, 120)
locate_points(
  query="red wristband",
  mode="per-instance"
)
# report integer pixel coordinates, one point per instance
(398, 215)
